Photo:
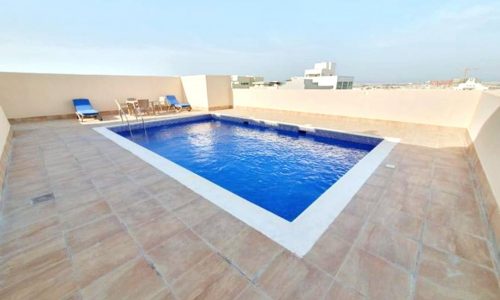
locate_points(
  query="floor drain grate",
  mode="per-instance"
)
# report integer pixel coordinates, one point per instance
(43, 198)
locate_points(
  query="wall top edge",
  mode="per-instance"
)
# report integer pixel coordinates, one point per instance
(244, 90)
(75, 74)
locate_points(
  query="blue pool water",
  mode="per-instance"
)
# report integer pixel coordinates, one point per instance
(280, 171)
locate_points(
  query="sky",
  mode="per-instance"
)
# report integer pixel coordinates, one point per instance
(374, 41)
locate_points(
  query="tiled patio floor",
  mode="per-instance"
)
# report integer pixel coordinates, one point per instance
(120, 229)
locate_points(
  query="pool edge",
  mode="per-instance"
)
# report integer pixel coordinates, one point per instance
(298, 236)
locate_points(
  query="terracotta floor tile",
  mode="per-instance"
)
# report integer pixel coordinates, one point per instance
(337, 291)
(126, 195)
(31, 261)
(28, 191)
(85, 214)
(452, 173)
(74, 186)
(55, 282)
(133, 280)
(454, 277)
(27, 216)
(458, 243)
(145, 174)
(196, 211)
(90, 234)
(29, 235)
(400, 187)
(11, 205)
(177, 196)
(383, 171)
(156, 231)
(410, 199)
(103, 257)
(161, 185)
(122, 187)
(66, 203)
(420, 175)
(374, 277)
(390, 245)
(452, 187)
(252, 293)
(289, 277)
(444, 215)
(360, 207)
(213, 278)
(347, 226)
(459, 202)
(399, 221)
(219, 229)
(431, 182)
(142, 212)
(328, 253)
(377, 180)
(427, 290)
(251, 251)
(178, 254)
(67, 172)
(370, 192)
(164, 294)
(104, 180)
(459, 213)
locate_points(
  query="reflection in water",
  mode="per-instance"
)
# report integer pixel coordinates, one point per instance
(282, 172)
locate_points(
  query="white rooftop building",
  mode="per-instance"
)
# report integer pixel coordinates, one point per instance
(322, 76)
(471, 84)
(321, 69)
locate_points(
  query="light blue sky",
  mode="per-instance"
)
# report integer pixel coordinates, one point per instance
(375, 41)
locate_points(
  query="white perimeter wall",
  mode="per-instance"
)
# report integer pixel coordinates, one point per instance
(484, 131)
(4, 132)
(30, 95)
(207, 92)
(436, 107)
(479, 112)
(219, 91)
(195, 90)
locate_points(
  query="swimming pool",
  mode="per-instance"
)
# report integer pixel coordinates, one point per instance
(282, 171)
(270, 175)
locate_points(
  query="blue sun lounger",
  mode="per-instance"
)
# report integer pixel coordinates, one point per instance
(176, 105)
(84, 109)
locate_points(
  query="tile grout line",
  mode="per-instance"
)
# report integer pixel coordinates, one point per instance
(421, 233)
(56, 236)
(353, 244)
(490, 236)
(65, 232)
(210, 246)
(214, 250)
(420, 241)
(142, 251)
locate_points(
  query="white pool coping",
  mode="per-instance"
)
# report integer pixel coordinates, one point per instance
(297, 236)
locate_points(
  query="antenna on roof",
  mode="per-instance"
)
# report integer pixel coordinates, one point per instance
(466, 72)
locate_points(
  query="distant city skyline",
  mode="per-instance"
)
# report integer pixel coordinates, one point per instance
(379, 42)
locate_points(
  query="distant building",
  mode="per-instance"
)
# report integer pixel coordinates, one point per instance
(266, 84)
(322, 76)
(471, 84)
(441, 83)
(245, 82)
(321, 69)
